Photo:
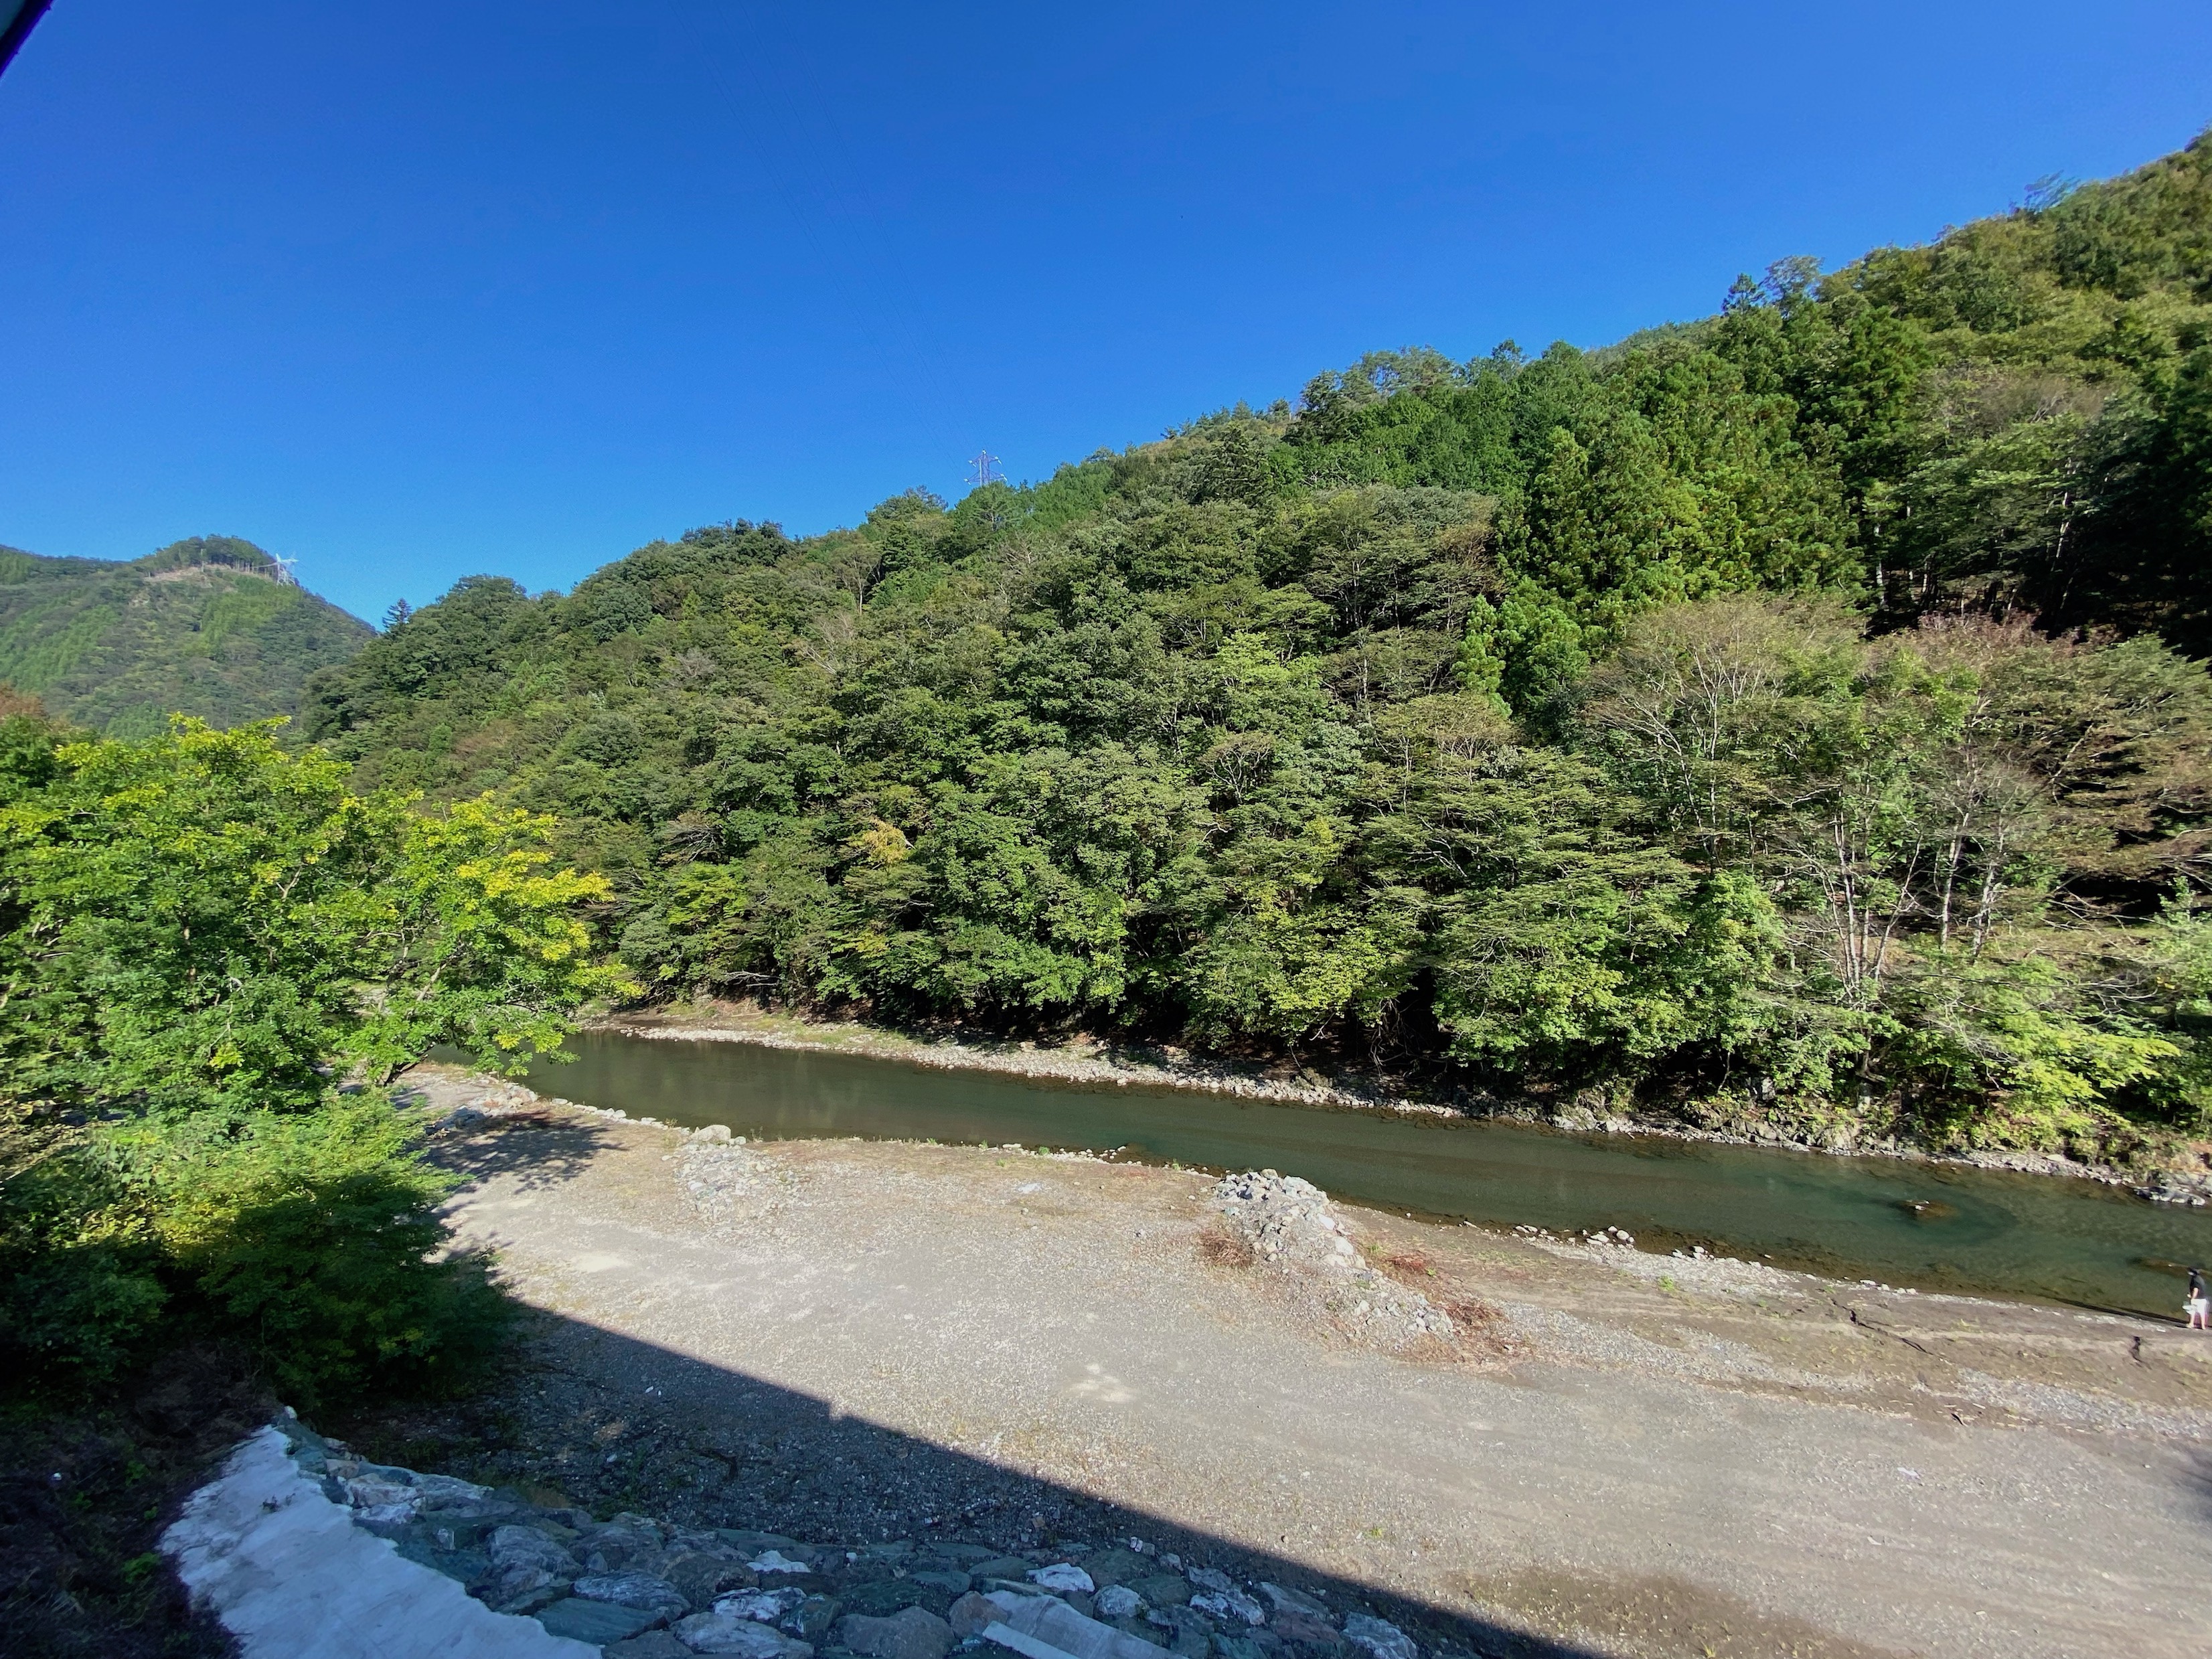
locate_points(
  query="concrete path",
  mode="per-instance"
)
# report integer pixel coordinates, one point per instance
(289, 1575)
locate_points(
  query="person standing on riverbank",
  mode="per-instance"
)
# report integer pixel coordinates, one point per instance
(2200, 1303)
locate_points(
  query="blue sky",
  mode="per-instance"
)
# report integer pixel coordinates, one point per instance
(528, 284)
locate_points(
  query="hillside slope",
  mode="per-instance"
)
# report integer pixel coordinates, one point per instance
(212, 626)
(1697, 725)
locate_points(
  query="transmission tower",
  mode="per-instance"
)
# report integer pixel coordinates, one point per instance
(984, 469)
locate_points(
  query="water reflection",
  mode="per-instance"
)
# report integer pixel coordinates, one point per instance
(1935, 1227)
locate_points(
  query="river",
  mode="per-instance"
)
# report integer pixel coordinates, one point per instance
(1933, 1226)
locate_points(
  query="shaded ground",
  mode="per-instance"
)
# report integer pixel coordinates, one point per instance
(1638, 1454)
(83, 1496)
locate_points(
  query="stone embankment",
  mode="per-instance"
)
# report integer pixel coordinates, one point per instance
(635, 1588)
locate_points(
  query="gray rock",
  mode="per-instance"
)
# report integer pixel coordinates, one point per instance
(914, 1633)
(1379, 1637)
(1230, 1604)
(1119, 1602)
(1062, 1575)
(999, 1566)
(752, 1543)
(514, 1547)
(811, 1620)
(653, 1644)
(465, 1565)
(721, 1632)
(953, 1584)
(703, 1576)
(1297, 1601)
(1210, 1578)
(525, 1591)
(1118, 1566)
(765, 1605)
(1163, 1588)
(1054, 1622)
(1179, 1618)
(581, 1620)
(879, 1598)
(635, 1589)
(970, 1613)
(1303, 1629)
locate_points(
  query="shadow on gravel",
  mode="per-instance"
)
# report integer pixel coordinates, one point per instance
(534, 1150)
(600, 1420)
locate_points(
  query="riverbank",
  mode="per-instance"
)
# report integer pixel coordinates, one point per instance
(1636, 1453)
(1086, 1060)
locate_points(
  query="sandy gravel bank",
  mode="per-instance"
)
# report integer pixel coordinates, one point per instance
(1636, 1453)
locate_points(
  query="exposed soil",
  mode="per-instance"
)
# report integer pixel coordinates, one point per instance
(1630, 1453)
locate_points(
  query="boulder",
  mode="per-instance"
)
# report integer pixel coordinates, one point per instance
(752, 1543)
(599, 1623)
(703, 1575)
(882, 1597)
(1163, 1588)
(522, 1591)
(653, 1644)
(1047, 1619)
(1306, 1630)
(1379, 1637)
(1119, 1602)
(970, 1613)
(635, 1589)
(811, 1620)
(1118, 1566)
(1230, 1604)
(1297, 1601)
(765, 1605)
(914, 1633)
(1062, 1575)
(722, 1632)
(513, 1546)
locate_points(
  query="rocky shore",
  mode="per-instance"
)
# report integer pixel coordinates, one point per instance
(638, 1588)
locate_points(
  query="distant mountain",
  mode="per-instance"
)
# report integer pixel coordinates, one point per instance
(211, 626)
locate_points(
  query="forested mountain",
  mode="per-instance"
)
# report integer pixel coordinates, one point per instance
(1792, 716)
(212, 626)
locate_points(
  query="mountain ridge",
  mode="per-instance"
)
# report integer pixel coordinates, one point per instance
(211, 626)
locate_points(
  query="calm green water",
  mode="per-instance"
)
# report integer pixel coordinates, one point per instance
(1938, 1229)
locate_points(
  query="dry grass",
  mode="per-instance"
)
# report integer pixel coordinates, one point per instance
(1222, 1247)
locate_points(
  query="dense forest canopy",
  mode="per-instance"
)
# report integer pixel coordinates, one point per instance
(212, 626)
(1793, 715)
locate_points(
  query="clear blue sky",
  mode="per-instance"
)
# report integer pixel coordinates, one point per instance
(412, 292)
